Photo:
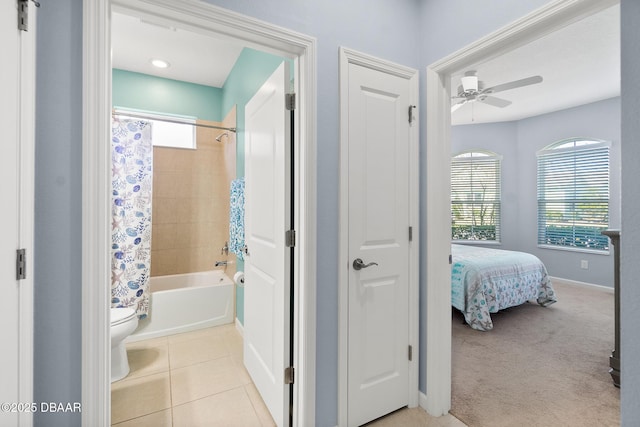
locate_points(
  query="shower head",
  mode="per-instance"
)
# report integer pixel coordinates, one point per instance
(219, 137)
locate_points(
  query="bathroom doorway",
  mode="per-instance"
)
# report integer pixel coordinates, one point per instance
(302, 269)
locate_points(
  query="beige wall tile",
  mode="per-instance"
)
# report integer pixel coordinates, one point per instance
(163, 211)
(164, 262)
(163, 236)
(191, 192)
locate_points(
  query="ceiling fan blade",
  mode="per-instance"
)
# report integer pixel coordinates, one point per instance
(496, 102)
(514, 84)
(457, 105)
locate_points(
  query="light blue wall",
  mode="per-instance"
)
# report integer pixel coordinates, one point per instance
(385, 28)
(251, 70)
(149, 93)
(446, 27)
(410, 32)
(58, 212)
(599, 120)
(630, 234)
(518, 143)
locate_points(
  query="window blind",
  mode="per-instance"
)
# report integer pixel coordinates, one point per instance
(475, 196)
(573, 195)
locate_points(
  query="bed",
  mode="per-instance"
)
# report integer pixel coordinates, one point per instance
(484, 281)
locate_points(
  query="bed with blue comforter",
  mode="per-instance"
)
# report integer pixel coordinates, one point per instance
(484, 281)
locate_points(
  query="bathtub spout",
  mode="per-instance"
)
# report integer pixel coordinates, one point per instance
(221, 263)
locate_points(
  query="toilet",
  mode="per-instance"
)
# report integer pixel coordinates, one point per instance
(123, 322)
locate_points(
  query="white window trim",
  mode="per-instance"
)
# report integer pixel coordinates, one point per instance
(488, 155)
(164, 119)
(552, 150)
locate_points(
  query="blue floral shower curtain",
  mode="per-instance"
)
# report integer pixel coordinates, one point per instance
(132, 161)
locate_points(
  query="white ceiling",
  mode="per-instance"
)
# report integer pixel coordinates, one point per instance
(579, 64)
(195, 58)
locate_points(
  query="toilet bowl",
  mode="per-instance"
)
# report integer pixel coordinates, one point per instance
(123, 322)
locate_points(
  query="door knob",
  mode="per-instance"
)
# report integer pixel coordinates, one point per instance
(358, 264)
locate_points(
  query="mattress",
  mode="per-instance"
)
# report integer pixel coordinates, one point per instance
(484, 281)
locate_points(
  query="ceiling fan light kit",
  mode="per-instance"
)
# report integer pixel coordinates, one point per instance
(469, 84)
(471, 89)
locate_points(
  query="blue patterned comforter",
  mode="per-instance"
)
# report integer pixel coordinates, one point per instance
(485, 281)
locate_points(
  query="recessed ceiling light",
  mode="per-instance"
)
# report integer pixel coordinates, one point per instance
(160, 63)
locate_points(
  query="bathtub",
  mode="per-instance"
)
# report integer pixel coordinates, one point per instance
(186, 302)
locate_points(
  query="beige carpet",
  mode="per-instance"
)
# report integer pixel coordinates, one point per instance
(538, 366)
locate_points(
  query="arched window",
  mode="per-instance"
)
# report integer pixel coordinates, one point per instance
(475, 196)
(573, 194)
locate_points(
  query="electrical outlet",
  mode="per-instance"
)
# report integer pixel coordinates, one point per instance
(584, 264)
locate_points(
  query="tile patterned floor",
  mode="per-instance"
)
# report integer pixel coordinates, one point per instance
(198, 379)
(191, 379)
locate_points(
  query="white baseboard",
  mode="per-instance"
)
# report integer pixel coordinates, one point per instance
(452, 420)
(423, 401)
(578, 283)
(239, 327)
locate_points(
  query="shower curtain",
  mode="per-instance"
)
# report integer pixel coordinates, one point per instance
(132, 161)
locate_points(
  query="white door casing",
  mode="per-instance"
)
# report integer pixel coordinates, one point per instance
(16, 190)
(437, 160)
(377, 176)
(96, 125)
(267, 258)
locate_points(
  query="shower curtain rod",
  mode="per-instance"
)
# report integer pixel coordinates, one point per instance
(139, 116)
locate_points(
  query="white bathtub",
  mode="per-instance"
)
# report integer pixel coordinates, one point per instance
(186, 302)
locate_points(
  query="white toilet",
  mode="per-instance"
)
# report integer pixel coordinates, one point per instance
(123, 322)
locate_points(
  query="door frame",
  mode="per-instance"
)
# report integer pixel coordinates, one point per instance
(26, 128)
(96, 362)
(437, 237)
(348, 56)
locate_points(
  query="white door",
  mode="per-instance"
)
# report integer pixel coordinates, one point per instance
(378, 321)
(267, 217)
(16, 121)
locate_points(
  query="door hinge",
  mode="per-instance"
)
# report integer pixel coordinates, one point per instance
(290, 238)
(410, 234)
(21, 264)
(289, 375)
(290, 100)
(410, 354)
(411, 108)
(23, 14)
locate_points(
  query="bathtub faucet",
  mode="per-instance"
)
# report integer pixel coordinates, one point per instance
(221, 263)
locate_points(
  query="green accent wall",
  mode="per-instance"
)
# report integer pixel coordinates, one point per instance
(156, 94)
(250, 71)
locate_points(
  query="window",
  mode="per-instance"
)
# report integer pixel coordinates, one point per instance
(475, 196)
(167, 131)
(573, 194)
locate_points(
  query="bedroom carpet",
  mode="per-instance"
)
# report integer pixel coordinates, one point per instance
(538, 366)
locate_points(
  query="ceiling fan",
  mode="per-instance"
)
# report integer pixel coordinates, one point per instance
(471, 89)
